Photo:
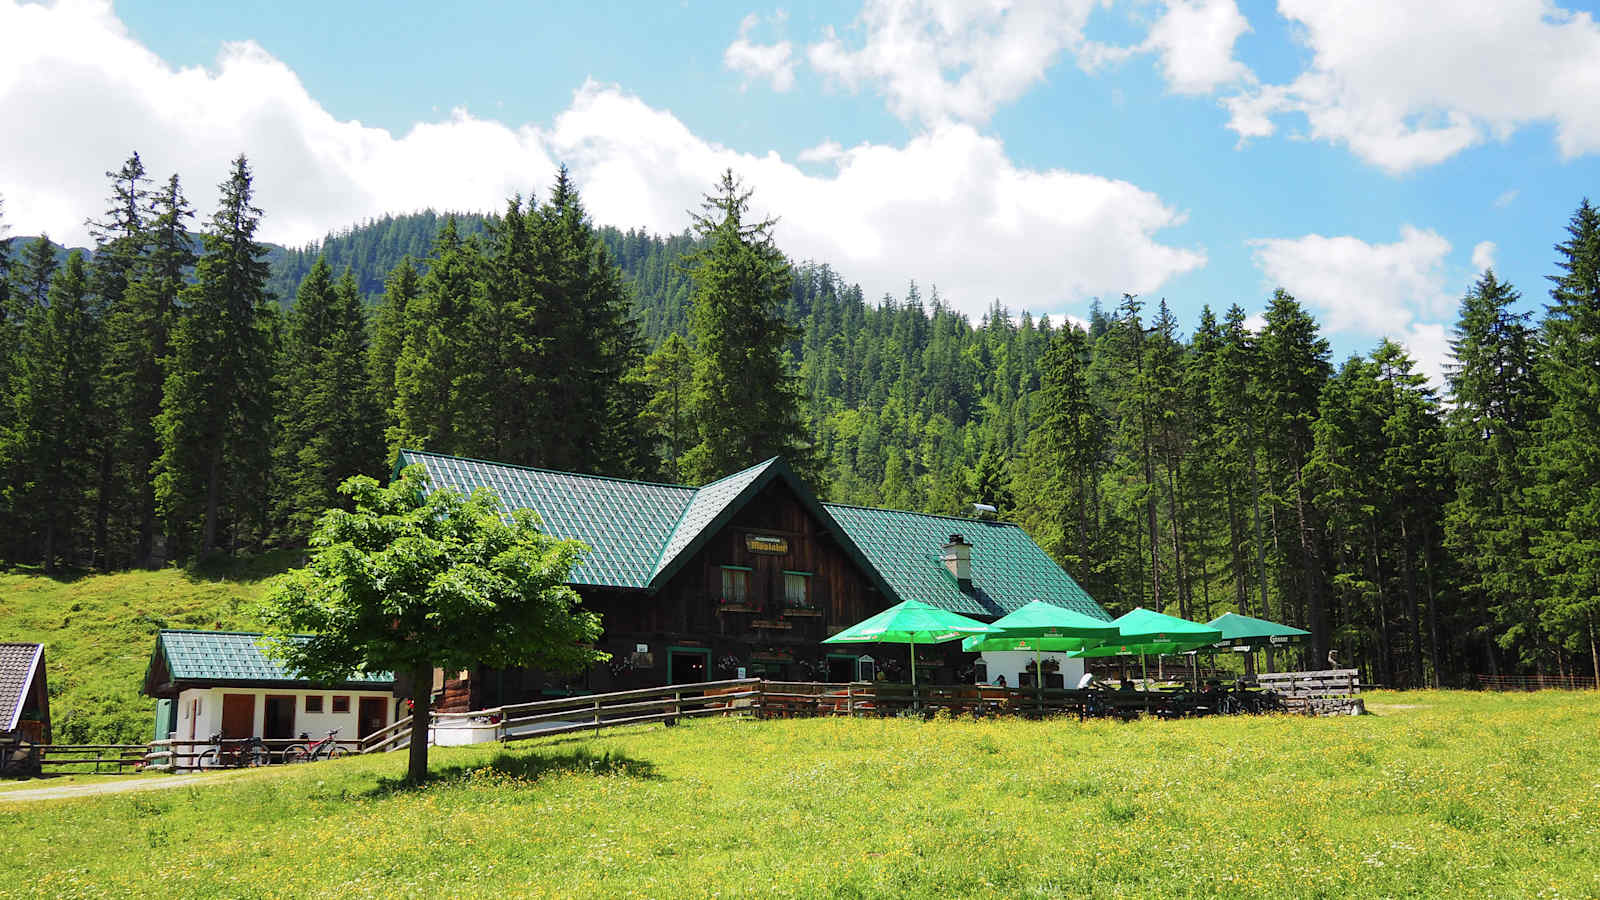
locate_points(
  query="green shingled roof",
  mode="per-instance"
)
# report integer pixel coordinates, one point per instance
(1009, 570)
(637, 531)
(625, 523)
(231, 656)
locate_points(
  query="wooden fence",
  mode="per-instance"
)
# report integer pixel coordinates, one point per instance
(1324, 692)
(1535, 683)
(68, 759)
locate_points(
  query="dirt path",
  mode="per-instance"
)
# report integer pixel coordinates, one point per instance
(70, 791)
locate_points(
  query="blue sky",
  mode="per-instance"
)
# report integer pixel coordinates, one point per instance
(1370, 158)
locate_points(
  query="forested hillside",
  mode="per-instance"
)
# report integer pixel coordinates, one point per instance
(167, 403)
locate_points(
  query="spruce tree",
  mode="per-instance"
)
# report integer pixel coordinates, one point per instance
(400, 289)
(429, 412)
(31, 275)
(216, 413)
(52, 442)
(328, 427)
(1293, 366)
(666, 378)
(1568, 488)
(745, 403)
(1496, 398)
(138, 333)
(121, 241)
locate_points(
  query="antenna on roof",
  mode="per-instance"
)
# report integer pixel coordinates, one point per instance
(985, 511)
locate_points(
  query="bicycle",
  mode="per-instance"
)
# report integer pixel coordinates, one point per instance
(327, 748)
(235, 753)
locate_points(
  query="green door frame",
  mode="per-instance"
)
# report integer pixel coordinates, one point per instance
(703, 651)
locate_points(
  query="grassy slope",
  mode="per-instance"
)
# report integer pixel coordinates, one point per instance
(98, 631)
(1438, 794)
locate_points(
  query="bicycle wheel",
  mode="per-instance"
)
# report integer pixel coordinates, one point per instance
(1230, 706)
(208, 759)
(294, 753)
(336, 751)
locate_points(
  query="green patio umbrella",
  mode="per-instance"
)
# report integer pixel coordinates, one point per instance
(1145, 631)
(911, 622)
(1041, 626)
(1251, 634)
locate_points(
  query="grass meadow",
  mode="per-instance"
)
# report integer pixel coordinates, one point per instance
(99, 631)
(1436, 794)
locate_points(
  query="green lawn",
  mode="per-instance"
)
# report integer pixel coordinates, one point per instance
(98, 631)
(1437, 794)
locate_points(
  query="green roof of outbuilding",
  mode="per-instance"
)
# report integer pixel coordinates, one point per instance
(1009, 570)
(639, 532)
(232, 656)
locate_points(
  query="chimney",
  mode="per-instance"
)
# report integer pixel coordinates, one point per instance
(958, 559)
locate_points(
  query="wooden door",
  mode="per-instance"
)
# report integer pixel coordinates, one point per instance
(238, 715)
(372, 715)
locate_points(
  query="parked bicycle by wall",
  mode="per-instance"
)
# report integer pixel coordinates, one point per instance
(235, 753)
(327, 748)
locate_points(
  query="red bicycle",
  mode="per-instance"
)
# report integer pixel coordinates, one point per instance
(327, 748)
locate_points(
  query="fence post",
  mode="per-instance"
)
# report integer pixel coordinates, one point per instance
(597, 718)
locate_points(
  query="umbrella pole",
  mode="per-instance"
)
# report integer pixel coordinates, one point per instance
(1038, 678)
(1144, 676)
(913, 646)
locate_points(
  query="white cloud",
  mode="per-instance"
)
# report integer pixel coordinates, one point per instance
(1195, 39)
(939, 60)
(1483, 256)
(1506, 199)
(949, 207)
(1397, 289)
(1409, 83)
(773, 62)
(1357, 286)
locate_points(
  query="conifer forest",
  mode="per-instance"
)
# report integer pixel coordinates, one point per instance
(181, 389)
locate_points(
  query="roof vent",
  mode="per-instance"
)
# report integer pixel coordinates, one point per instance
(957, 557)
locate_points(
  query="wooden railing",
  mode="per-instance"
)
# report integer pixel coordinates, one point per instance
(173, 755)
(543, 718)
(1535, 683)
(63, 759)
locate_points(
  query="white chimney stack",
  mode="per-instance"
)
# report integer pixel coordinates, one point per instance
(958, 559)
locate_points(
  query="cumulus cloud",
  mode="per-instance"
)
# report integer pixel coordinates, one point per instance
(1409, 83)
(1398, 289)
(948, 207)
(939, 60)
(772, 62)
(1483, 256)
(1194, 39)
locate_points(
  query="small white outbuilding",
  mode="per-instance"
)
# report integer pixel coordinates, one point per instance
(208, 682)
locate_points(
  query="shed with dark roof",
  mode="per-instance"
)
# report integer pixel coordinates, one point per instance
(24, 694)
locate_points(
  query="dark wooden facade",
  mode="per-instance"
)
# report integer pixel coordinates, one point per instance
(691, 634)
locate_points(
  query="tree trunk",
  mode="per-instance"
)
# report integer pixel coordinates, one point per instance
(1594, 654)
(1261, 542)
(421, 692)
(1317, 613)
(208, 535)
